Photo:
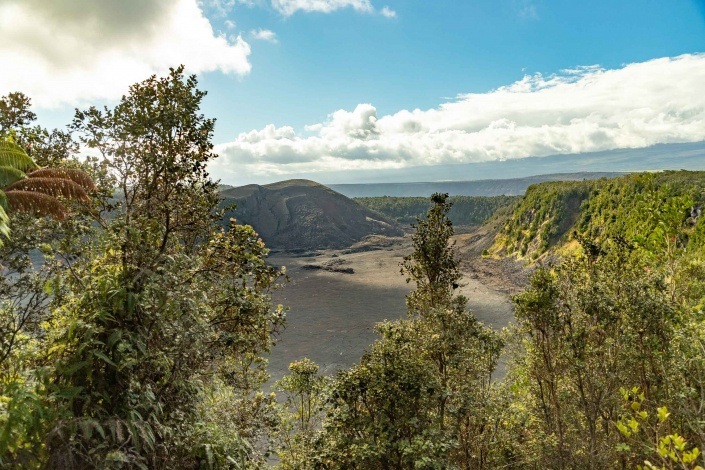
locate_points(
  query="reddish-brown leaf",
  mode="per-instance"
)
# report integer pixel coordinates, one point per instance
(79, 177)
(36, 203)
(51, 186)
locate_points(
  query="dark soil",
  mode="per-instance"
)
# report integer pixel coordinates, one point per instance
(332, 314)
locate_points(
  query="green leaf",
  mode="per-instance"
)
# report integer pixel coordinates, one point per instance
(4, 222)
(9, 175)
(18, 160)
(104, 358)
(663, 414)
(69, 393)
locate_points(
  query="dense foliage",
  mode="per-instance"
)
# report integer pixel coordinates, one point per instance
(609, 370)
(138, 341)
(557, 213)
(465, 210)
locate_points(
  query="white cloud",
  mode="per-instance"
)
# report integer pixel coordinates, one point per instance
(526, 10)
(289, 7)
(584, 109)
(220, 7)
(388, 12)
(264, 35)
(76, 51)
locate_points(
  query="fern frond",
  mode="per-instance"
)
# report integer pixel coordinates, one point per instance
(17, 159)
(11, 146)
(36, 203)
(3, 201)
(79, 177)
(50, 186)
(9, 175)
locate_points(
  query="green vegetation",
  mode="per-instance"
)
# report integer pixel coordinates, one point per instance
(138, 342)
(25, 187)
(466, 210)
(133, 333)
(552, 215)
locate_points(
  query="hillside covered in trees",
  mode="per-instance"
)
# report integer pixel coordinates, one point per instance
(465, 210)
(139, 340)
(649, 210)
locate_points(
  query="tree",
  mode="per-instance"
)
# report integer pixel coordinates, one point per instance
(432, 265)
(595, 323)
(15, 113)
(301, 415)
(154, 325)
(419, 397)
(382, 410)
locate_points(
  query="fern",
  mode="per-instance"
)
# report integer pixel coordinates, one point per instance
(36, 203)
(4, 222)
(9, 175)
(17, 159)
(79, 177)
(11, 146)
(50, 186)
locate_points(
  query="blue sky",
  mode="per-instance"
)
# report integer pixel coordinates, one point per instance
(321, 87)
(434, 50)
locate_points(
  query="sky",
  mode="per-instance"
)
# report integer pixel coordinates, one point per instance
(335, 89)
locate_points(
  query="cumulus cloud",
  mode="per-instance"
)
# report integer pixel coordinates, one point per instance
(388, 12)
(264, 35)
(585, 109)
(72, 51)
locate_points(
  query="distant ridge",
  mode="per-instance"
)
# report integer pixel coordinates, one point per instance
(490, 187)
(305, 215)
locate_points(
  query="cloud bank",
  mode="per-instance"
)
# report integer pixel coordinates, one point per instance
(586, 109)
(63, 52)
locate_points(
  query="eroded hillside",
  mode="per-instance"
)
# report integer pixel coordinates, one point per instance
(302, 214)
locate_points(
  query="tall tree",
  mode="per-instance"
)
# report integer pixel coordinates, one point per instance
(432, 265)
(156, 340)
(595, 323)
(418, 399)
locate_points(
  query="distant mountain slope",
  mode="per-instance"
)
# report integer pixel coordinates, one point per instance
(495, 187)
(302, 214)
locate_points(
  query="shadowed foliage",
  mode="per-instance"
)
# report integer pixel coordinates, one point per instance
(9, 175)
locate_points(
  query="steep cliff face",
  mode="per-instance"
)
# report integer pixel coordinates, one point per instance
(302, 214)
